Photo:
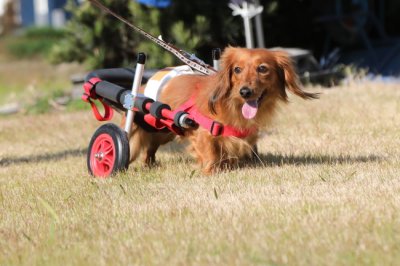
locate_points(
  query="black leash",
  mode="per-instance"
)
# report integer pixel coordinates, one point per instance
(187, 58)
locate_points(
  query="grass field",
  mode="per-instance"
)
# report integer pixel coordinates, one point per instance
(327, 192)
(27, 81)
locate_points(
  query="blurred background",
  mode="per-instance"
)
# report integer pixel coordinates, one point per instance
(47, 45)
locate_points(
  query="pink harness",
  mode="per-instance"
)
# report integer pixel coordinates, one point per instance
(214, 127)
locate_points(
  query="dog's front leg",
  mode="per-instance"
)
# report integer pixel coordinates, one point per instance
(210, 153)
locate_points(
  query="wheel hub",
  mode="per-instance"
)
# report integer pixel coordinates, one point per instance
(99, 156)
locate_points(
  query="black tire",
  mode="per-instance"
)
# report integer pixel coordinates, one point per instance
(108, 151)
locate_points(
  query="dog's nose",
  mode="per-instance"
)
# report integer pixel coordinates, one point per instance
(245, 92)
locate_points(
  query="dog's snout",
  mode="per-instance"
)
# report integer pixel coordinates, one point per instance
(245, 92)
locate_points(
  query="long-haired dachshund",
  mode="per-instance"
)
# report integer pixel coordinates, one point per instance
(243, 97)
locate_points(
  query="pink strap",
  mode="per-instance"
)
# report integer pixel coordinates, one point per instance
(214, 127)
(91, 94)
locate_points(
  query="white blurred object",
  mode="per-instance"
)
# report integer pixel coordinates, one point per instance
(58, 18)
(2, 4)
(41, 12)
(247, 11)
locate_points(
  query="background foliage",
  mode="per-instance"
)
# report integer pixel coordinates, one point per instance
(89, 32)
(100, 40)
(94, 38)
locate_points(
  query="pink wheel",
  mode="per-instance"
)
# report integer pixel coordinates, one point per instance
(108, 151)
(102, 156)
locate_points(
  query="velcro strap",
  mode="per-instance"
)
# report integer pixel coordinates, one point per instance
(108, 111)
(89, 86)
(90, 94)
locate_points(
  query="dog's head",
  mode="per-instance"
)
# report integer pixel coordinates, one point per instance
(251, 77)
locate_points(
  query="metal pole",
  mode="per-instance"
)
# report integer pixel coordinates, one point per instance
(247, 26)
(135, 88)
(259, 28)
(216, 55)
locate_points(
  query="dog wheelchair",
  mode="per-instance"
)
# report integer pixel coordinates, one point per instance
(117, 89)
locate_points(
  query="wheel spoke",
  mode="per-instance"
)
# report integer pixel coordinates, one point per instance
(103, 167)
(97, 149)
(107, 148)
(97, 167)
(108, 160)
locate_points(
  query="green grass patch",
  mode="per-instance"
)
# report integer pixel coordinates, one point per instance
(33, 42)
(39, 107)
(43, 104)
(77, 105)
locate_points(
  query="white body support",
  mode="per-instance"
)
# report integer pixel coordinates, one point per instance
(157, 82)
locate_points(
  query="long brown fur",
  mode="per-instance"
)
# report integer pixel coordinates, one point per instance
(218, 97)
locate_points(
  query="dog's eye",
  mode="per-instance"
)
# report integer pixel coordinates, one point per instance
(237, 70)
(262, 69)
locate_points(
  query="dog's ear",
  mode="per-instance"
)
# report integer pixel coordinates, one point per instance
(223, 79)
(289, 78)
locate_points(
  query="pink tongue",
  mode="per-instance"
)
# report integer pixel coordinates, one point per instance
(249, 109)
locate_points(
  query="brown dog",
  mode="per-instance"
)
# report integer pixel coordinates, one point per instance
(243, 95)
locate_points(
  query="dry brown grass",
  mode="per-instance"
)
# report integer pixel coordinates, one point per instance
(326, 193)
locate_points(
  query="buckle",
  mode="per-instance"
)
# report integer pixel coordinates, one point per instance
(216, 128)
